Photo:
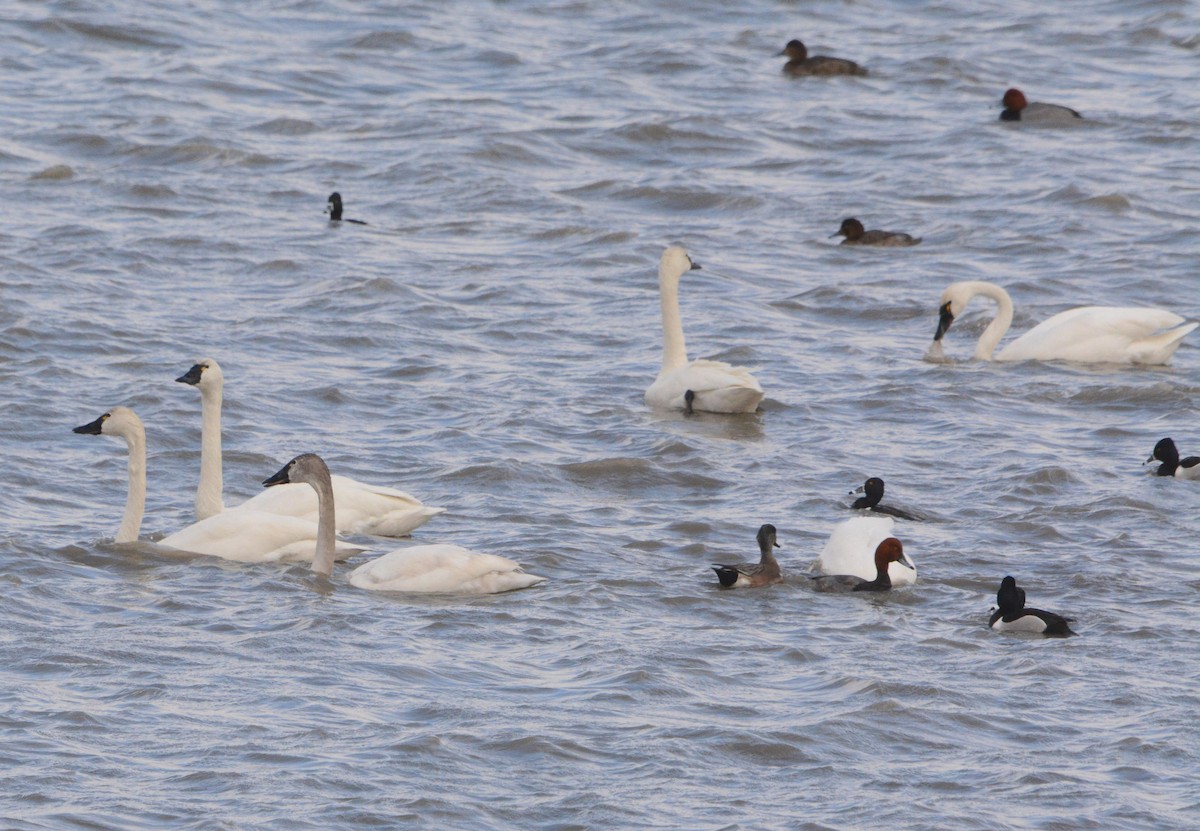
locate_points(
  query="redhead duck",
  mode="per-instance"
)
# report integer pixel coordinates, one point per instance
(872, 491)
(753, 575)
(334, 209)
(1016, 108)
(887, 552)
(1012, 616)
(800, 64)
(855, 234)
(1166, 452)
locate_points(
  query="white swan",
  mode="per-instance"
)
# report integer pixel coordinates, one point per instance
(718, 387)
(1090, 334)
(361, 508)
(447, 569)
(851, 549)
(244, 536)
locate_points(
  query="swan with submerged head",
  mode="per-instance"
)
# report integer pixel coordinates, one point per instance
(442, 569)
(716, 387)
(852, 546)
(1088, 334)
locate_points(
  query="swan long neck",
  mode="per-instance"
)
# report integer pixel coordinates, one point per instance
(674, 349)
(995, 330)
(209, 501)
(326, 527)
(135, 501)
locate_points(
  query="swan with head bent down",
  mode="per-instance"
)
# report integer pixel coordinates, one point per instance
(717, 387)
(1088, 334)
(243, 536)
(361, 508)
(442, 569)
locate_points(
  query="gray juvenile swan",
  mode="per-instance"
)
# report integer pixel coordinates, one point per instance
(443, 569)
(361, 508)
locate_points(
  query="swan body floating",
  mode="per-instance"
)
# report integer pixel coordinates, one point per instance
(1013, 616)
(852, 547)
(1167, 453)
(872, 491)
(1088, 334)
(716, 387)
(887, 552)
(361, 508)
(753, 575)
(243, 536)
(444, 569)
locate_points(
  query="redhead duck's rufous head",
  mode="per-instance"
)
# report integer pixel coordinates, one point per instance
(890, 551)
(1014, 99)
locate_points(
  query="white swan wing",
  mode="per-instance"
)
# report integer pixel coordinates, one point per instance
(248, 536)
(359, 508)
(442, 568)
(851, 546)
(1102, 334)
(719, 388)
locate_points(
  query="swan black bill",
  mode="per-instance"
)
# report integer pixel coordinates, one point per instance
(92, 428)
(944, 320)
(192, 376)
(280, 477)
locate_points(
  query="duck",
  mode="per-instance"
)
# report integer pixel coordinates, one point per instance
(716, 387)
(872, 491)
(1166, 452)
(1087, 334)
(424, 569)
(361, 508)
(889, 551)
(1016, 108)
(334, 209)
(852, 546)
(799, 63)
(855, 234)
(242, 536)
(753, 575)
(1013, 616)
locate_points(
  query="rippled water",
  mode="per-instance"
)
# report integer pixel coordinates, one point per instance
(485, 342)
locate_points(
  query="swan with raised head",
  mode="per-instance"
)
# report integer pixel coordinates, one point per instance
(1013, 616)
(887, 552)
(852, 546)
(361, 508)
(716, 387)
(442, 569)
(244, 536)
(753, 575)
(1088, 334)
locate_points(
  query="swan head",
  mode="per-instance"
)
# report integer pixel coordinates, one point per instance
(119, 421)
(307, 467)
(891, 551)
(954, 300)
(204, 375)
(766, 538)
(1164, 451)
(795, 50)
(851, 229)
(1010, 598)
(1014, 99)
(674, 263)
(334, 206)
